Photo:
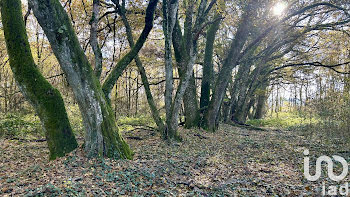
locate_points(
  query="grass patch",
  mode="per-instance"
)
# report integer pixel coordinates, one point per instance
(22, 126)
(75, 119)
(128, 123)
(285, 120)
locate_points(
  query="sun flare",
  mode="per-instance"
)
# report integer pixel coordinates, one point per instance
(279, 8)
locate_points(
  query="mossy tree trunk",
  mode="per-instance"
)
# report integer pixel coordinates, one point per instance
(186, 52)
(182, 56)
(261, 102)
(248, 85)
(188, 43)
(208, 65)
(45, 99)
(102, 137)
(190, 100)
(241, 85)
(230, 62)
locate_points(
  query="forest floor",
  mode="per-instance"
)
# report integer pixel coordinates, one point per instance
(231, 162)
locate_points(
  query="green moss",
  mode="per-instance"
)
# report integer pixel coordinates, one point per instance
(117, 147)
(208, 64)
(45, 99)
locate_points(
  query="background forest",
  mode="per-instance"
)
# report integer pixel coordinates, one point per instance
(202, 97)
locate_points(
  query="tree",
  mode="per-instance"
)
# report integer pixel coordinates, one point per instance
(155, 114)
(170, 8)
(210, 119)
(125, 61)
(45, 99)
(93, 37)
(261, 103)
(243, 44)
(186, 52)
(102, 137)
(208, 70)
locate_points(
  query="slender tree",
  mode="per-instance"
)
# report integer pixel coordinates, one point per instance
(93, 37)
(185, 47)
(241, 36)
(186, 52)
(261, 102)
(155, 113)
(125, 61)
(244, 42)
(170, 8)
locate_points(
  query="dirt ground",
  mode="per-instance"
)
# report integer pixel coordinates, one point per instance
(231, 162)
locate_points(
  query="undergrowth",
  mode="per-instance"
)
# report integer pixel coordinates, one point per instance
(309, 125)
(19, 125)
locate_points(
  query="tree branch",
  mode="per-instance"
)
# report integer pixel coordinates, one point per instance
(316, 64)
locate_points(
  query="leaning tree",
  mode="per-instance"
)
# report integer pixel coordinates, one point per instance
(45, 99)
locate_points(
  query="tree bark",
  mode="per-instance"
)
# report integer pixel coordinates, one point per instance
(191, 111)
(102, 137)
(182, 52)
(241, 98)
(93, 37)
(45, 99)
(208, 65)
(188, 48)
(185, 47)
(170, 8)
(261, 102)
(191, 35)
(250, 82)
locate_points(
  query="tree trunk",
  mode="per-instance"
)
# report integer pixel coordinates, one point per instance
(45, 99)
(241, 85)
(102, 137)
(226, 111)
(250, 82)
(191, 104)
(125, 61)
(225, 73)
(188, 51)
(170, 8)
(182, 46)
(141, 69)
(249, 108)
(93, 37)
(260, 106)
(240, 115)
(137, 96)
(208, 65)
